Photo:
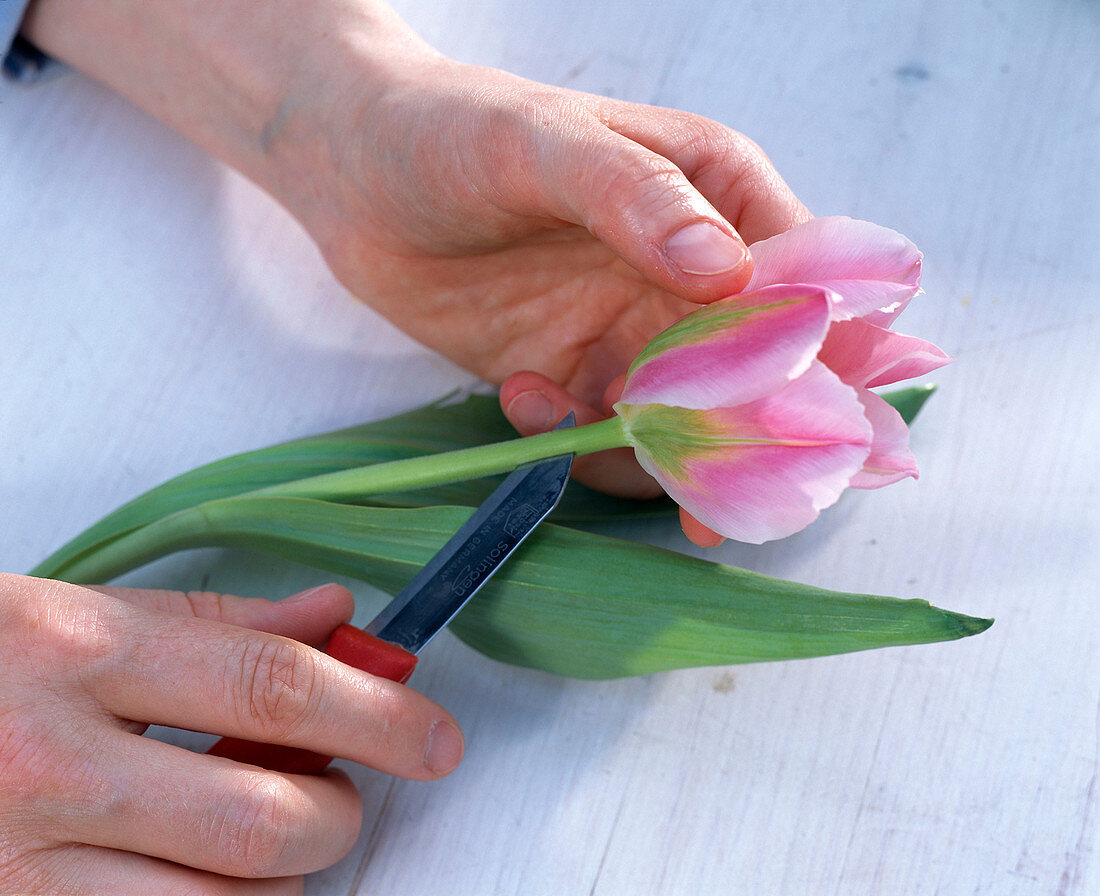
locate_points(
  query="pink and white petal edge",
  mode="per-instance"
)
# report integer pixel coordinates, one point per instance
(872, 268)
(864, 355)
(890, 459)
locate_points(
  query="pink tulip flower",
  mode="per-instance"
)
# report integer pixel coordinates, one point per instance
(755, 412)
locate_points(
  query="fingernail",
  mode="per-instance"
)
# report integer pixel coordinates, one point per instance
(531, 410)
(703, 248)
(708, 541)
(445, 748)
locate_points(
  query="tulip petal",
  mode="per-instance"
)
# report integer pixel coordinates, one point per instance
(870, 267)
(864, 355)
(890, 459)
(762, 470)
(733, 351)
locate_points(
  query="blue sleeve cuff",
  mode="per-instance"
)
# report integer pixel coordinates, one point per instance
(20, 61)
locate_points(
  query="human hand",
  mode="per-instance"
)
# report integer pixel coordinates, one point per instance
(89, 806)
(539, 236)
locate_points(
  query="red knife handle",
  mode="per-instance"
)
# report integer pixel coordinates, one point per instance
(350, 645)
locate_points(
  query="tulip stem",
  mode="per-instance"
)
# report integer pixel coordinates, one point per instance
(190, 526)
(346, 486)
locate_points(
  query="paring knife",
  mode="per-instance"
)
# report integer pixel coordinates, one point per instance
(389, 645)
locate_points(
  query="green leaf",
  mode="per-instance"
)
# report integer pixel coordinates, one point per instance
(444, 425)
(571, 602)
(440, 426)
(908, 402)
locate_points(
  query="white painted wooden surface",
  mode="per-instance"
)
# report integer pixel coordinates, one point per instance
(158, 312)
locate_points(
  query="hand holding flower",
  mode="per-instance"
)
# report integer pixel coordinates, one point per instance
(509, 225)
(754, 412)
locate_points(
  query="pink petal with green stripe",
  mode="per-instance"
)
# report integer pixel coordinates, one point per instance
(762, 470)
(890, 459)
(871, 268)
(862, 354)
(733, 351)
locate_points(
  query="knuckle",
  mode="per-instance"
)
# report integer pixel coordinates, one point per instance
(522, 118)
(280, 685)
(525, 136)
(85, 638)
(645, 184)
(64, 633)
(738, 164)
(512, 138)
(709, 139)
(253, 829)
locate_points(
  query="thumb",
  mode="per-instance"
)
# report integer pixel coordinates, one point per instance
(644, 208)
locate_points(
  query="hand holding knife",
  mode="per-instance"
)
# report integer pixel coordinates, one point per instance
(389, 645)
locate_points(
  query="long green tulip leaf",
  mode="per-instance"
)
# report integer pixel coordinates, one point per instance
(569, 602)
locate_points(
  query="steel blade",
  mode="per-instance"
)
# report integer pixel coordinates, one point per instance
(474, 553)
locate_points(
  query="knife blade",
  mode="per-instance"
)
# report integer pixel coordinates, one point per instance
(389, 644)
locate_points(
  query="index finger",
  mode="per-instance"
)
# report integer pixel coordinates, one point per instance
(208, 676)
(308, 616)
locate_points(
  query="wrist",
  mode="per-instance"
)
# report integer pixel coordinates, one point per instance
(265, 87)
(320, 132)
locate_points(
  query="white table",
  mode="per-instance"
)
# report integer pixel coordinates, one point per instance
(158, 312)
